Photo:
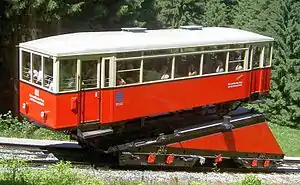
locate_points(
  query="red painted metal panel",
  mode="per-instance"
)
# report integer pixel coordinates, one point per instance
(266, 79)
(136, 101)
(256, 80)
(106, 107)
(145, 100)
(66, 116)
(62, 110)
(256, 138)
(90, 108)
(260, 80)
(38, 100)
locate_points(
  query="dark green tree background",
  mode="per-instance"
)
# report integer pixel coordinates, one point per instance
(23, 20)
(283, 104)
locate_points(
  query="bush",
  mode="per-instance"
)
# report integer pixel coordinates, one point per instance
(14, 171)
(13, 127)
(8, 122)
(250, 180)
(61, 174)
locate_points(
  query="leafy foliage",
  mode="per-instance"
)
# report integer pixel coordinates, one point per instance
(279, 19)
(175, 13)
(250, 180)
(251, 15)
(283, 104)
(59, 174)
(13, 127)
(47, 9)
(15, 170)
(216, 13)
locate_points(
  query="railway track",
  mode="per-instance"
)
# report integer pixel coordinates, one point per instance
(46, 152)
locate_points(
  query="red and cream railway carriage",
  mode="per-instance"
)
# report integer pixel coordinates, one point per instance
(107, 79)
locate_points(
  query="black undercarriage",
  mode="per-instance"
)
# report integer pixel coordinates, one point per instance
(155, 126)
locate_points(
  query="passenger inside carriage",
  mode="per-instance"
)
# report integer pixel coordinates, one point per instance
(239, 67)
(37, 76)
(220, 67)
(192, 70)
(120, 80)
(165, 74)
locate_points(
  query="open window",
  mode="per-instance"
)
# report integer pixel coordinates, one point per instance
(267, 55)
(26, 66)
(128, 72)
(214, 62)
(108, 72)
(89, 74)
(187, 65)
(256, 56)
(157, 69)
(48, 74)
(67, 75)
(37, 74)
(236, 60)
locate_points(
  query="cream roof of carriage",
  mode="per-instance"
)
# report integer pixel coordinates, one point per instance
(89, 43)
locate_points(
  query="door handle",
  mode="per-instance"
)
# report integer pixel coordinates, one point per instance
(97, 94)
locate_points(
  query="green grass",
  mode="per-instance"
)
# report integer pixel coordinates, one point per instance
(288, 139)
(18, 173)
(13, 127)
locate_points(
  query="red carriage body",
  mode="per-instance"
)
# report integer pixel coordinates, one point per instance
(108, 102)
(91, 83)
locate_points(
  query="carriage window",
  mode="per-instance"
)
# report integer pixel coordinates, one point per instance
(214, 62)
(89, 73)
(37, 69)
(25, 65)
(236, 60)
(128, 72)
(67, 74)
(157, 69)
(187, 65)
(256, 56)
(267, 55)
(48, 73)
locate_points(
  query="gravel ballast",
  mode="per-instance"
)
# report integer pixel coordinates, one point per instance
(163, 177)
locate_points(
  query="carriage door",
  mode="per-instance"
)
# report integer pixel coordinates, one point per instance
(89, 93)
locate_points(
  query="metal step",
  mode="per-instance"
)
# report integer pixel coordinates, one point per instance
(94, 133)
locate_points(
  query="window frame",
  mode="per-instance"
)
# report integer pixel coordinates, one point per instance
(77, 85)
(263, 45)
(101, 65)
(140, 69)
(97, 59)
(244, 60)
(200, 51)
(268, 44)
(43, 67)
(21, 50)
